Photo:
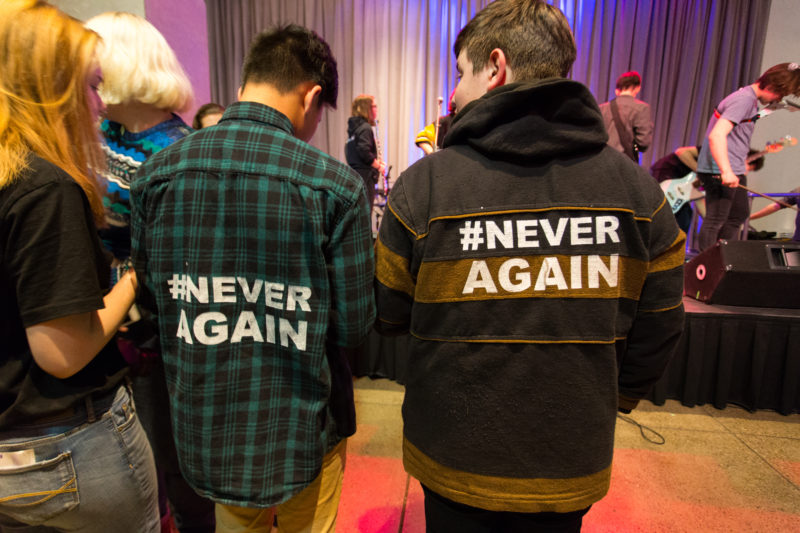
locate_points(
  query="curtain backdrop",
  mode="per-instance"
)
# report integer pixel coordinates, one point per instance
(691, 54)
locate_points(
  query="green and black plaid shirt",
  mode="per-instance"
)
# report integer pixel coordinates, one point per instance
(256, 251)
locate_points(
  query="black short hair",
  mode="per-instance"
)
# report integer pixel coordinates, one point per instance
(287, 56)
(534, 36)
(210, 108)
(758, 163)
(628, 80)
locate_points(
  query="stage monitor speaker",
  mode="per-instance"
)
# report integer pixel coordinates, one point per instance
(746, 273)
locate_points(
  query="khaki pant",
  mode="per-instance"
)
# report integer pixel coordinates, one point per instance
(312, 510)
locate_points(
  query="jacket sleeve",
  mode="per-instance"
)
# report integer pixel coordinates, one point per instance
(394, 281)
(643, 127)
(350, 272)
(365, 145)
(658, 323)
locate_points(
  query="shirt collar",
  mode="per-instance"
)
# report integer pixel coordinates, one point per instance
(257, 112)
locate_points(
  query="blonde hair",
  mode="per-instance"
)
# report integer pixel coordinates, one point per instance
(362, 106)
(44, 109)
(138, 64)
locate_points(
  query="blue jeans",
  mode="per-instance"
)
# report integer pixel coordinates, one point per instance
(90, 471)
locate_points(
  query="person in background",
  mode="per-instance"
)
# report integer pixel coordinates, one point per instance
(429, 137)
(142, 97)
(208, 115)
(775, 207)
(540, 279)
(255, 249)
(677, 165)
(628, 120)
(722, 163)
(73, 455)
(361, 149)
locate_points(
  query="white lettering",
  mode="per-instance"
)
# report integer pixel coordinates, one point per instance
(183, 329)
(596, 268)
(297, 295)
(250, 294)
(298, 337)
(607, 227)
(526, 229)
(550, 274)
(273, 294)
(479, 277)
(246, 326)
(581, 226)
(522, 280)
(224, 289)
(199, 291)
(219, 332)
(493, 233)
(554, 239)
(575, 272)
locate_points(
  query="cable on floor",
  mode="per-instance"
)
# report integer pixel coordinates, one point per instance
(644, 430)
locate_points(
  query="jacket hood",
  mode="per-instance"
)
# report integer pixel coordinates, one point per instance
(353, 123)
(527, 122)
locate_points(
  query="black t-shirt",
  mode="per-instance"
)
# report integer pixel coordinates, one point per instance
(669, 167)
(52, 265)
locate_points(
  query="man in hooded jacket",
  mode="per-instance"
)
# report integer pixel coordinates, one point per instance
(539, 273)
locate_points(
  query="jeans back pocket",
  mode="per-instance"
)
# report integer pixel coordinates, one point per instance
(38, 492)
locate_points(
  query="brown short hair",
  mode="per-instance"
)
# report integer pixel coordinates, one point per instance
(782, 79)
(629, 80)
(362, 105)
(534, 36)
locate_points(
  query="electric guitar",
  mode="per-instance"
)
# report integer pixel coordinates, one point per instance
(682, 190)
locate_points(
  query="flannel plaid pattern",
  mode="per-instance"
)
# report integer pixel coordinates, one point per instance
(254, 250)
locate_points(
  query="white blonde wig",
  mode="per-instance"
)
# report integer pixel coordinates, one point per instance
(138, 65)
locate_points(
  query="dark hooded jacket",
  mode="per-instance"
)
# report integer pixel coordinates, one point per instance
(360, 149)
(540, 277)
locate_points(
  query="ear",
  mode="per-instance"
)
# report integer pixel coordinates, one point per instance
(311, 98)
(617, 92)
(497, 70)
(239, 93)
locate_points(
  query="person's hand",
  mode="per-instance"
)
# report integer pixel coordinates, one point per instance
(381, 168)
(729, 179)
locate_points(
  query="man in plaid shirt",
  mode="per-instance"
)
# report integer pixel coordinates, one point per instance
(255, 253)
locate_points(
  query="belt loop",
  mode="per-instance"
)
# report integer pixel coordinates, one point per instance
(90, 409)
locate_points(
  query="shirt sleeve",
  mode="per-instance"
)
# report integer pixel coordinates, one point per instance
(52, 253)
(643, 128)
(351, 270)
(736, 107)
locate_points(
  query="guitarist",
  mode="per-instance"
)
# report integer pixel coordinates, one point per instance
(628, 120)
(721, 165)
(676, 165)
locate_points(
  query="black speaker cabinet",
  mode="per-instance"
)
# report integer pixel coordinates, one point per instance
(746, 273)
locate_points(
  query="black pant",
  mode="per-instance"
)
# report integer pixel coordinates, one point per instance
(727, 209)
(446, 516)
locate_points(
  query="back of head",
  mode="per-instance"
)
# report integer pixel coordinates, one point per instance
(203, 111)
(285, 57)
(534, 36)
(758, 162)
(629, 80)
(138, 64)
(782, 79)
(362, 105)
(44, 107)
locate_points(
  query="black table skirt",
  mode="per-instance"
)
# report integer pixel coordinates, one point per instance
(744, 356)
